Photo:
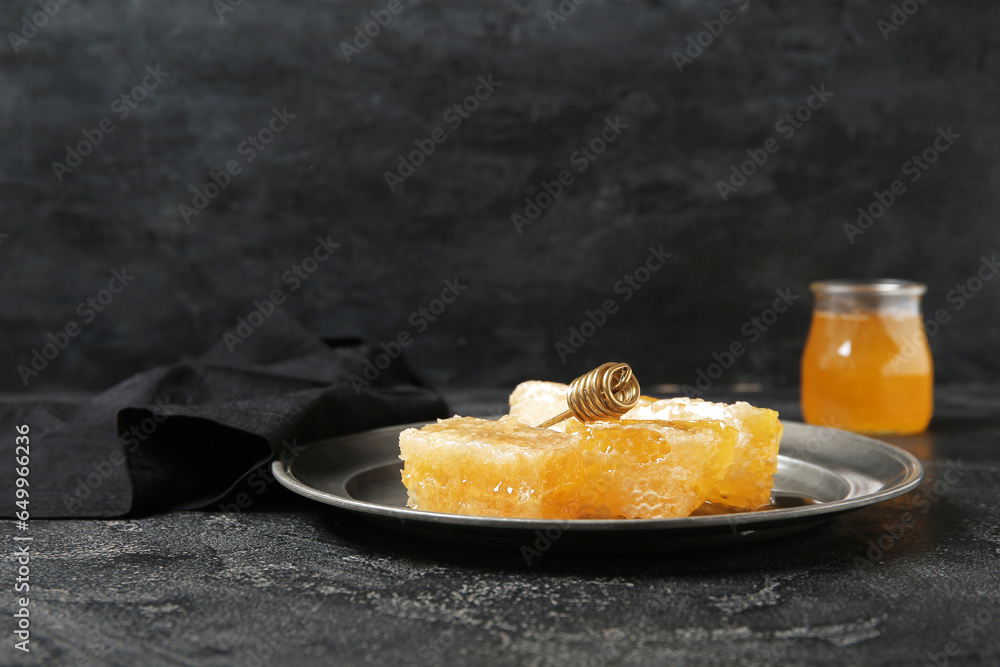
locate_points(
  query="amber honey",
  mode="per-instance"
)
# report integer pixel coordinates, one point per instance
(867, 365)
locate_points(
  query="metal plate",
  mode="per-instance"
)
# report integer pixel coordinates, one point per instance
(839, 471)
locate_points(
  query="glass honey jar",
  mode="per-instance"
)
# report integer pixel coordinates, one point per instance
(867, 365)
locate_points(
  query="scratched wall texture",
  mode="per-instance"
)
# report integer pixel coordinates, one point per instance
(222, 73)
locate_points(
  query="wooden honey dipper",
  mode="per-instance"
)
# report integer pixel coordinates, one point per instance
(607, 392)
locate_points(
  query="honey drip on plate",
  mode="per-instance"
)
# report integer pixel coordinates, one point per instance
(777, 503)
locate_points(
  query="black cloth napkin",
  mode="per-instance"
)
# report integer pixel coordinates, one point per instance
(181, 436)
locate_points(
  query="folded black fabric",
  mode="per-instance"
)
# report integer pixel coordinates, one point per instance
(181, 436)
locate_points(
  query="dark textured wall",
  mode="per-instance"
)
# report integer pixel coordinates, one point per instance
(223, 73)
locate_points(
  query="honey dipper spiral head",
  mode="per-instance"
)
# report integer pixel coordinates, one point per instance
(607, 392)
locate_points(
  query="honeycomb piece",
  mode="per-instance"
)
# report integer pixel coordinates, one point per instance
(465, 465)
(534, 402)
(748, 480)
(593, 471)
(647, 469)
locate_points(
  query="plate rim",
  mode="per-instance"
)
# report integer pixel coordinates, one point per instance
(748, 520)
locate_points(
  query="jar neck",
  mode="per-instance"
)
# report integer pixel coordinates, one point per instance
(889, 295)
(898, 304)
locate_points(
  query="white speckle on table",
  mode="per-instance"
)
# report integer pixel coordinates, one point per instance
(840, 634)
(740, 602)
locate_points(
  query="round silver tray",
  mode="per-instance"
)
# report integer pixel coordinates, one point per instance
(822, 472)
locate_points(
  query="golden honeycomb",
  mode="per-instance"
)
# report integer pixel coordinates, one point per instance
(466, 465)
(663, 459)
(747, 481)
(645, 469)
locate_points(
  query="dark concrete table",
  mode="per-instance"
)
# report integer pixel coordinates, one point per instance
(292, 582)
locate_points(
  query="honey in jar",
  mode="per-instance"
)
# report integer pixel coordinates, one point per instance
(867, 366)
